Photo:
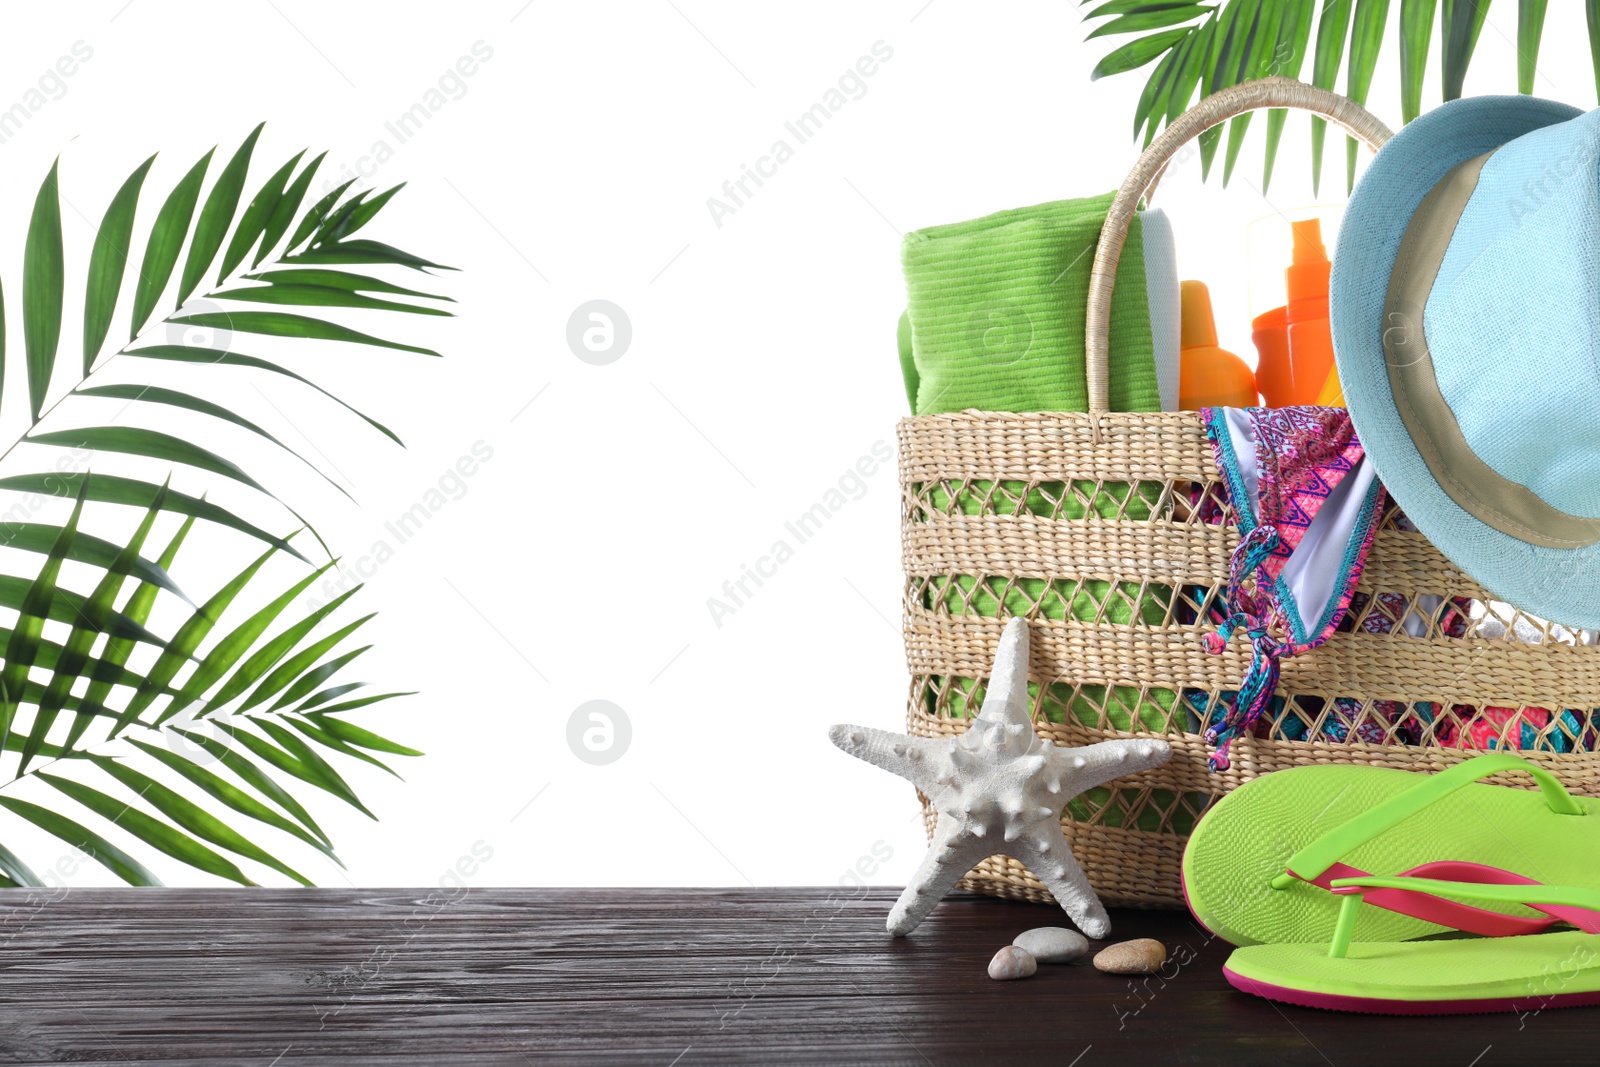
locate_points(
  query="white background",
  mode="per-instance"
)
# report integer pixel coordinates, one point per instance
(576, 563)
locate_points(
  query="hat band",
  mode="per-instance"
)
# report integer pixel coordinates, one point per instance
(1480, 490)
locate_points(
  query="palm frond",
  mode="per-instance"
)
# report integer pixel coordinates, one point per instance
(1294, 34)
(108, 262)
(166, 241)
(1210, 46)
(125, 739)
(1416, 34)
(1530, 30)
(42, 285)
(1366, 41)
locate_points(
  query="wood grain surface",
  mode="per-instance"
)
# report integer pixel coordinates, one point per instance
(287, 978)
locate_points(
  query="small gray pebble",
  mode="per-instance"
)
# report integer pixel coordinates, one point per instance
(1011, 962)
(1052, 944)
(1142, 956)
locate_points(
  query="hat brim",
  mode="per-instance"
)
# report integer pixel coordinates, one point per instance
(1561, 585)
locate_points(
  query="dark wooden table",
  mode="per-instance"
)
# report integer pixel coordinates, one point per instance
(666, 977)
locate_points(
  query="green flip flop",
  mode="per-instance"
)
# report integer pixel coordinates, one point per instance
(1454, 976)
(1258, 866)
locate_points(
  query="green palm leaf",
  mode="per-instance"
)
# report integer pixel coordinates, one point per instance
(329, 741)
(338, 279)
(231, 795)
(87, 548)
(1462, 21)
(283, 211)
(297, 758)
(75, 653)
(355, 735)
(183, 354)
(1136, 54)
(187, 640)
(1149, 17)
(360, 702)
(1416, 34)
(49, 655)
(155, 394)
(337, 222)
(108, 262)
(226, 652)
(1591, 11)
(215, 217)
(283, 324)
(1366, 40)
(34, 609)
(43, 280)
(1255, 60)
(314, 677)
(320, 296)
(199, 822)
(366, 212)
(333, 692)
(151, 831)
(1332, 29)
(363, 251)
(109, 670)
(14, 869)
(81, 837)
(69, 607)
(269, 656)
(152, 444)
(1221, 60)
(1294, 33)
(1152, 102)
(166, 240)
(253, 776)
(316, 215)
(115, 489)
(253, 223)
(1195, 57)
(1530, 30)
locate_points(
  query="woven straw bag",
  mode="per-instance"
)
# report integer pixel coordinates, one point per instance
(1088, 525)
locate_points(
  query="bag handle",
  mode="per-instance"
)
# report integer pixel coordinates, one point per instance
(1211, 110)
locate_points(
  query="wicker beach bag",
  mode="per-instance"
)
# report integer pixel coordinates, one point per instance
(1091, 525)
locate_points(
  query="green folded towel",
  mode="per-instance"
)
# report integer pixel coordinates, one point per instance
(995, 321)
(997, 305)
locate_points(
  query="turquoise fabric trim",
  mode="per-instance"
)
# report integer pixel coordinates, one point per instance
(1216, 421)
(1361, 535)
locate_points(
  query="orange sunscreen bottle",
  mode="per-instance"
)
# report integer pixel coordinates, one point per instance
(1310, 341)
(1270, 332)
(1208, 376)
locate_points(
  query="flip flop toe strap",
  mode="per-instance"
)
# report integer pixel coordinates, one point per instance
(1547, 898)
(1456, 915)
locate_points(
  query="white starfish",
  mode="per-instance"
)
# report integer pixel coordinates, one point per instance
(1000, 788)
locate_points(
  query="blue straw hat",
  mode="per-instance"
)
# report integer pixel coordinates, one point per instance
(1465, 307)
